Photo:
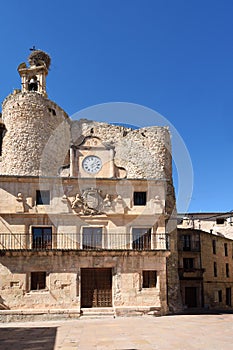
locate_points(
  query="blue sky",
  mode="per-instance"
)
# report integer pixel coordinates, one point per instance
(175, 57)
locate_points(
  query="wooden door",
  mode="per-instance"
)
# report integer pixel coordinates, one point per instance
(96, 287)
(191, 296)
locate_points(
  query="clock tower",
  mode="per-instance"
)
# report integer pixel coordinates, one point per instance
(94, 159)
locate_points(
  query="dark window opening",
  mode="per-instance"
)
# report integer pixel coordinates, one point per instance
(219, 296)
(227, 270)
(139, 198)
(42, 197)
(149, 279)
(33, 84)
(186, 239)
(2, 133)
(214, 246)
(38, 280)
(220, 221)
(188, 263)
(225, 249)
(92, 238)
(51, 110)
(228, 296)
(141, 238)
(42, 238)
(215, 270)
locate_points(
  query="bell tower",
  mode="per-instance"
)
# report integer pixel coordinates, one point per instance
(33, 78)
(35, 135)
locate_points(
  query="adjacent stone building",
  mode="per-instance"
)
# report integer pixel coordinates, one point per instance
(217, 223)
(205, 269)
(86, 211)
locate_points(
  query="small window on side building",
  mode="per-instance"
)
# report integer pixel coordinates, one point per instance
(139, 198)
(220, 221)
(215, 270)
(42, 197)
(188, 263)
(38, 280)
(227, 270)
(214, 246)
(219, 296)
(225, 249)
(149, 279)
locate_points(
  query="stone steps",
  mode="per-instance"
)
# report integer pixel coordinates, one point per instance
(97, 312)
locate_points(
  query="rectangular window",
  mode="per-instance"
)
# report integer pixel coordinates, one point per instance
(38, 280)
(228, 296)
(42, 197)
(139, 198)
(215, 270)
(188, 263)
(225, 249)
(220, 221)
(186, 240)
(149, 279)
(214, 246)
(92, 237)
(227, 270)
(42, 238)
(141, 238)
(219, 296)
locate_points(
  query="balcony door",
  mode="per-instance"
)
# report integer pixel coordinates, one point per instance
(92, 238)
(141, 238)
(42, 238)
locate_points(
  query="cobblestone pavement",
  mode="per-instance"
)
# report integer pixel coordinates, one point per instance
(183, 332)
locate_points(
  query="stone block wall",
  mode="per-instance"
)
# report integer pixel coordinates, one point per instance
(63, 284)
(37, 135)
(145, 153)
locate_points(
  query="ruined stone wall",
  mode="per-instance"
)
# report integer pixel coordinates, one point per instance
(145, 153)
(37, 135)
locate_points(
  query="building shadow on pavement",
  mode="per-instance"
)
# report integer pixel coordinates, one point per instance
(22, 338)
(203, 311)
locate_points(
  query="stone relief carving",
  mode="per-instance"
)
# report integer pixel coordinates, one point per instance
(91, 202)
(157, 204)
(20, 206)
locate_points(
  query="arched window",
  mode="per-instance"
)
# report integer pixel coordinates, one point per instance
(33, 84)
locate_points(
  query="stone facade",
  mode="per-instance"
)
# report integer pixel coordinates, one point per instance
(205, 269)
(215, 223)
(85, 210)
(32, 123)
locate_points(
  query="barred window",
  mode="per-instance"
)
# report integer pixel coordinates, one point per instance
(149, 279)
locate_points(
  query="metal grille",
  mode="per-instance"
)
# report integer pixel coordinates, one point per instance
(46, 240)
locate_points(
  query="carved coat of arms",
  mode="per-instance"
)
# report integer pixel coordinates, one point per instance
(92, 199)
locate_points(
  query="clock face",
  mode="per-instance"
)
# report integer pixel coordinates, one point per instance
(92, 164)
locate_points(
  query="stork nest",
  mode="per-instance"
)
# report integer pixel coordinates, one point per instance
(38, 57)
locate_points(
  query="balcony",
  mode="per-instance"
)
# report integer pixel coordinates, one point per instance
(191, 273)
(74, 241)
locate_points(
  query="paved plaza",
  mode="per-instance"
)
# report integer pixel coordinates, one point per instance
(183, 332)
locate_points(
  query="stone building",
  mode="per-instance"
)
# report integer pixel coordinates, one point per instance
(205, 269)
(216, 223)
(85, 211)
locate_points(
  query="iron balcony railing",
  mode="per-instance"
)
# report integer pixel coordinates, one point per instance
(189, 245)
(73, 241)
